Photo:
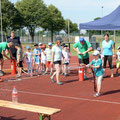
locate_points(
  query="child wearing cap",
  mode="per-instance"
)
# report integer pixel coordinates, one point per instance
(98, 70)
(19, 60)
(48, 52)
(36, 54)
(118, 60)
(65, 60)
(29, 60)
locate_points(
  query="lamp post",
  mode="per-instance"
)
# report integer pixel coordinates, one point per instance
(102, 10)
(1, 21)
(68, 30)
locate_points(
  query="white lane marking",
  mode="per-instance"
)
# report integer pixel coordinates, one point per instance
(66, 97)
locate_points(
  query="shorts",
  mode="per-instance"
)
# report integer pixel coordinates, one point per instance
(85, 61)
(117, 64)
(57, 62)
(43, 61)
(48, 64)
(66, 63)
(20, 64)
(99, 79)
(1, 56)
(36, 60)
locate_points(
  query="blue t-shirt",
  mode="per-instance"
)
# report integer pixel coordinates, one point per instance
(98, 71)
(107, 47)
(36, 51)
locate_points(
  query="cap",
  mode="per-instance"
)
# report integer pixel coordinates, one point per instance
(50, 44)
(40, 43)
(96, 52)
(63, 44)
(27, 47)
(99, 49)
(118, 47)
(35, 44)
(81, 39)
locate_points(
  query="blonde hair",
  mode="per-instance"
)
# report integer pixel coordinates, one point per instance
(57, 41)
(11, 44)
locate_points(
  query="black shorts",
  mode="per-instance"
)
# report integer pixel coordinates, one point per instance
(1, 56)
(66, 63)
(20, 64)
(57, 62)
(85, 61)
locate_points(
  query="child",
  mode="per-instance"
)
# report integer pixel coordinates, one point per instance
(65, 60)
(98, 70)
(43, 58)
(48, 53)
(28, 56)
(118, 60)
(36, 57)
(19, 60)
(62, 64)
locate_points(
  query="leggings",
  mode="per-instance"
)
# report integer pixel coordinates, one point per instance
(29, 67)
(109, 58)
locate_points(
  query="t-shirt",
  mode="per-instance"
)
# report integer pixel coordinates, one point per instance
(57, 53)
(14, 40)
(28, 56)
(19, 52)
(82, 48)
(66, 56)
(3, 46)
(98, 71)
(107, 47)
(43, 56)
(48, 52)
(118, 54)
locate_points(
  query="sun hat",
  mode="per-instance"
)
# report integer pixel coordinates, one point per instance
(40, 43)
(50, 44)
(118, 47)
(27, 47)
(96, 52)
(99, 49)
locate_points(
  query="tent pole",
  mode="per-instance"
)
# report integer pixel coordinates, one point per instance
(114, 36)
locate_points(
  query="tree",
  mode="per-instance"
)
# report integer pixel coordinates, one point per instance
(11, 18)
(34, 13)
(72, 26)
(55, 21)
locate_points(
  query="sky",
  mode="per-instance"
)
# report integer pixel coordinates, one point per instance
(80, 11)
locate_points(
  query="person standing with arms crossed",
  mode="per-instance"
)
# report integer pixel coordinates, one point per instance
(82, 48)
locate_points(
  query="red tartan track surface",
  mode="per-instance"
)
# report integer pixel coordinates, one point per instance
(74, 98)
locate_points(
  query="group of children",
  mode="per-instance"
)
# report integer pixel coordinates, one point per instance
(39, 60)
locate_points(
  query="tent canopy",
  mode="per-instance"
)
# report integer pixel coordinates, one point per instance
(109, 22)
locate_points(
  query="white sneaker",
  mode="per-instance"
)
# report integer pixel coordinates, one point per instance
(96, 94)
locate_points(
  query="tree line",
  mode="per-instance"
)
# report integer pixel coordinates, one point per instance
(34, 14)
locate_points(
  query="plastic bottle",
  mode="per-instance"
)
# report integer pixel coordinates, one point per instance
(14, 95)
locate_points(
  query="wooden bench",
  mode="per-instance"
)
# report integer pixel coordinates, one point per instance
(43, 112)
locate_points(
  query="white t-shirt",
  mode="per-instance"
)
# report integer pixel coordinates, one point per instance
(28, 56)
(118, 54)
(48, 52)
(43, 56)
(66, 56)
(57, 53)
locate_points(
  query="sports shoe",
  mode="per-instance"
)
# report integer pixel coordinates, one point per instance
(59, 83)
(112, 76)
(44, 73)
(50, 74)
(18, 76)
(65, 75)
(96, 94)
(52, 79)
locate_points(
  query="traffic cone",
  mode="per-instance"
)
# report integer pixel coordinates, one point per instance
(13, 67)
(81, 74)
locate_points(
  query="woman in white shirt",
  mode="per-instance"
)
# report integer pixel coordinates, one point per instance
(56, 60)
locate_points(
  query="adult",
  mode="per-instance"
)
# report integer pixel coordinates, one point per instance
(82, 47)
(108, 50)
(56, 60)
(15, 40)
(4, 50)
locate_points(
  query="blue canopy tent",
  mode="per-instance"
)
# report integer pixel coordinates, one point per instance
(109, 22)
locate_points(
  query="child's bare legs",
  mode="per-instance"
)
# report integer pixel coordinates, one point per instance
(117, 66)
(1, 64)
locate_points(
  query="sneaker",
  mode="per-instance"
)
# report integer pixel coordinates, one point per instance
(85, 77)
(50, 74)
(52, 79)
(59, 83)
(45, 73)
(65, 75)
(62, 73)
(96, 94)
(112, 76)
(18, 76)
(117, 74)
